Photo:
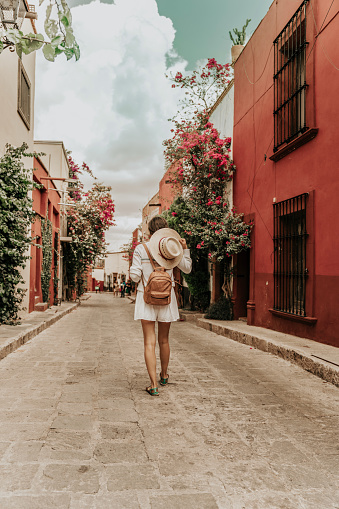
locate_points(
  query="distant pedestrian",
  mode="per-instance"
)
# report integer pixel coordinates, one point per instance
(166, 249)
(115, 289)
(128, 287)
(122, 289)
(97, 288)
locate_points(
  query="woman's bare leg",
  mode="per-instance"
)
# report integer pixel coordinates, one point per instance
(163, 334)
(148, 329)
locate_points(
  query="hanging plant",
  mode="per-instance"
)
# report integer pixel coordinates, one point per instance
(56, 268)
(47, 253)
(58, 27)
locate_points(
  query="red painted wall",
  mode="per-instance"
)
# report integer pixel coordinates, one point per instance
(41, 198)
(167, 191)
(311, 168)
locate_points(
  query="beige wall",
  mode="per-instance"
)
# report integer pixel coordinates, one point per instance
(116, 264)
(13, 130)
(223, 118)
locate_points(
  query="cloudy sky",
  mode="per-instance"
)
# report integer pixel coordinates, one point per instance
(111, 107)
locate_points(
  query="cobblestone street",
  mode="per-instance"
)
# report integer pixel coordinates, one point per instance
(235, 428)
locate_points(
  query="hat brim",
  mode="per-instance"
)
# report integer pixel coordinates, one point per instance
(154, 248)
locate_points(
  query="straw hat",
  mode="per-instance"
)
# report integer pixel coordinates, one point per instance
(165, 247)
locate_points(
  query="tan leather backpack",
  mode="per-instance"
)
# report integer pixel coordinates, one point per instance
(158, 289)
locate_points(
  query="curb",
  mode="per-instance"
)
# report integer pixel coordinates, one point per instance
(295, 355)
(190, 316)
(15, 341)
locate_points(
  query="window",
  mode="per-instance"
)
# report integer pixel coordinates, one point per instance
(290, 79)
(290, 272)
(24, 96)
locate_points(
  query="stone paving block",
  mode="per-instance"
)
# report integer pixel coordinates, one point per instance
(121, 431)
(65, 407)
(121, 403)
(52, 501)
(73, 478)
(184, 501)
(256, 475)
(131, 477)
(16, 477)
(116, 452)
(117, 415)
(35, 404)
(7, 403)
(77, 397)
(73, 422)
(266, 500)
(110, 501)
(187, 462)
(300, 477)
(320, 500)
(28, 431)
(25, 452)
(3, 448)
(67, 445)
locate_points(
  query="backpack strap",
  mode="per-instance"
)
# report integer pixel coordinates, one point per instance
(149, 256)
(152, 262)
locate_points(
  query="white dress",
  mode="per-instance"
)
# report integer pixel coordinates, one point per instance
(141, 265)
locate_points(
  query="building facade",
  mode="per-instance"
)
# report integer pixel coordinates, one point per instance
(116, 268)
(17, 85)
(285, 150)
(46, 205)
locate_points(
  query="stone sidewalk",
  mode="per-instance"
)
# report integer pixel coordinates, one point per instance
(317, 358)
(13, 336)
(235, 428)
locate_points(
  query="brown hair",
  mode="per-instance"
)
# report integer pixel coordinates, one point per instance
(156, 223)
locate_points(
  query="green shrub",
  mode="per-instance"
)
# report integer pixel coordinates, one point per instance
(220, 310)
(15, 220)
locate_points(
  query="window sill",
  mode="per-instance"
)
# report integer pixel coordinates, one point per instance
(308, 320)
(294, 144)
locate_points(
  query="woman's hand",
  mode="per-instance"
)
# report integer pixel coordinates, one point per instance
(183, 243)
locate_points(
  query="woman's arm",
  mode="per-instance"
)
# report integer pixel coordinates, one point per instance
(186, 262)
(136, 269)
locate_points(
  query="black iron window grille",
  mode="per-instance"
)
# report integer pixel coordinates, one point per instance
(290, 272)
(290, 79)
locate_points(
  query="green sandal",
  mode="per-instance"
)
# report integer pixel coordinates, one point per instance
(163, 381)
(152, 391)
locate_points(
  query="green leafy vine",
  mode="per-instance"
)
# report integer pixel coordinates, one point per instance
(58, 28)
(47, 254)
(15, 220)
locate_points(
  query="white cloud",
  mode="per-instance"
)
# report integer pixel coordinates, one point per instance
(111, 107)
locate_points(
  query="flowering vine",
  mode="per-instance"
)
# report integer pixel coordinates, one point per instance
(89, 215)
(203, 166)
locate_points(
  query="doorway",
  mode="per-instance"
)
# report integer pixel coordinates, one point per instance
(242, 285)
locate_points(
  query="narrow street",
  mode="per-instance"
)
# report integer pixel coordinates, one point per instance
(235, 428)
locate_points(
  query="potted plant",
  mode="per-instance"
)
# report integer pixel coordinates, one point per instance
(238, 40)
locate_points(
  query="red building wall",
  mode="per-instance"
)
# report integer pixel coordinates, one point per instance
(46, 196)
(312, 168)
(167, 191)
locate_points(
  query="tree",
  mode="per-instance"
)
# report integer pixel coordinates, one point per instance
(202, 158)
(58, 28)
(89, 215)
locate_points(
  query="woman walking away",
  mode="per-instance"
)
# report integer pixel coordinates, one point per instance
(152, 268)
